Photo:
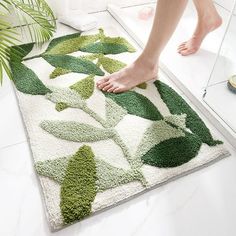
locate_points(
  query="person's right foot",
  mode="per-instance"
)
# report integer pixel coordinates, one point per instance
(205, 25)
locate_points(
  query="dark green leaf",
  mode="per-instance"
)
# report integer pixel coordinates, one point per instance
(173, 152)
(136, 104)
(26, 81)
(177, 105)
(78, 65)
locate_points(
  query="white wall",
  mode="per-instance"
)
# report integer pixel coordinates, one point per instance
(91, 5)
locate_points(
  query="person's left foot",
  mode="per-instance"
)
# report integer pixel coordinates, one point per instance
(127, 78)
(205, 25)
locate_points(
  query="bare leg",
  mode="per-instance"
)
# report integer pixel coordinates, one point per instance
(145, 68)
(208, 20)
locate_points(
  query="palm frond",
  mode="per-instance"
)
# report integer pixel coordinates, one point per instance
(40, 23)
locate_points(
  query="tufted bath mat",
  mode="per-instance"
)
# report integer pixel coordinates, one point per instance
(91, 149)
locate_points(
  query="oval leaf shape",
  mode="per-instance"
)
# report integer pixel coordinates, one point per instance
(78, 188)
(177, 105)
(26, 81)
(105, 48)
(72, 44)
(173, 152)
(78, 65)
(111, 65)
(84, 87)
(136, 104)
(76, 132)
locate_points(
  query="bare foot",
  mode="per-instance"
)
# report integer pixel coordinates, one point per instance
(205, 25)
(129, 77)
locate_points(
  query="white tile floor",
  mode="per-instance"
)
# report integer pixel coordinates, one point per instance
(202, 203)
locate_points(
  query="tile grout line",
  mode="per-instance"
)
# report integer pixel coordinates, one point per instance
(11, 145)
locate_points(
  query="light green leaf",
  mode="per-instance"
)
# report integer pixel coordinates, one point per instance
(84, 87)
(111, 65)
(78, 189)
(76, 132)
(58, 72)
(114, 113)
(78, 65)
(142, 86)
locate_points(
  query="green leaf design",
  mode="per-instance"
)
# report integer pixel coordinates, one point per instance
(104, 48)
(114, 113)
(111, 65)
(78, 65)
(57, 42)
(76, 132)
(173, 152)
(78, 189)
(136, 104)
(22, 51)
(158, 132)
(177, 105)
(109, 176)
(84, 87)
(54, 169)
(60, 106)
(58, 72)
(26, 81)
(142, 86)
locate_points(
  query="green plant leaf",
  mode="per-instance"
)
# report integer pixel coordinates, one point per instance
(58, 72)
(78, 189)
(177, 105)
(173, 152)
(26, 81)
(78, 65)
(158, 132)
(111, 65)
(104, 48)
(23, 50)
(66, 45)
(84, 87)
(142, 86)
(60, 106)
(114, 113)
(136, 104)
(76, 132)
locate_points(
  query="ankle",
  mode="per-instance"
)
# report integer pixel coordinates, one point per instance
(144, 62)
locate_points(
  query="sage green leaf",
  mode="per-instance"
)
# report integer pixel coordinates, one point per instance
(76, 132)
(54, 169)
(58, 72)
(26, 81)
(173, 152)
(109, 176)
(111, 65)
(78, 189)
(158, 132)
(78, 65)
(84, 87)
(136, 104)
(177, 105)
(114, 113)
(66, 96)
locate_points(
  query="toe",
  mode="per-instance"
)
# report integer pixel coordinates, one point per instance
(110, 90)
(107, 87)
(104, 80)
(101, 86)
